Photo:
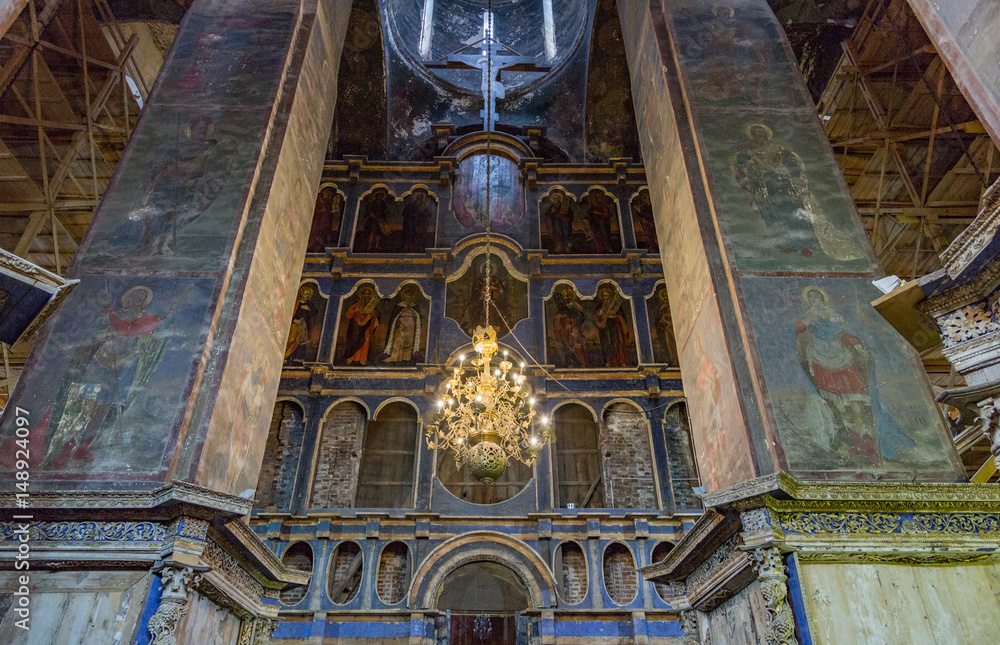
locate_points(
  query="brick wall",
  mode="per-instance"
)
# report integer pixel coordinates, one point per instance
(298, 556)
(336, 474)
(393, 573)
(342, 560)
(680, 456)
(574, 573)
(281, 457)
(660, 551)
(620, 577)
(628, 469)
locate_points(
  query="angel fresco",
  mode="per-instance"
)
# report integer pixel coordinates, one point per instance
(185, 184)
(327, 216)
(307, 323)
(120, 358)
(849, 411)
(642, 214)
(775, 182)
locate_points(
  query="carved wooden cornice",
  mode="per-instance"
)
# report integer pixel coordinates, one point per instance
(971, 242)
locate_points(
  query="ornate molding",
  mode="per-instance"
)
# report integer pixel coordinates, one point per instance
(689, 625)
(173, 604)
(770, 568)
(231, 569)
(893, 557)
(855, 523)
(177, 492)
(961, 252)
(86, 532)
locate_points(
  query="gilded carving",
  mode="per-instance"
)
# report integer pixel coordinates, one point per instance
(229, 567)
(87, 532)
(689, 624)
(773, 585)
(173, 604)
(884, 523)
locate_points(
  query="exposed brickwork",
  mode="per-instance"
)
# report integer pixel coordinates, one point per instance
(680, 457)
(574, 573)
(393, 573)
(336, 477)
(281, 457)
(660, 551)
(628, 470)
(340, 568)
(620, 577)
(298, 556)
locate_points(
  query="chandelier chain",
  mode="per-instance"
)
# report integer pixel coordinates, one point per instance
(488, 295)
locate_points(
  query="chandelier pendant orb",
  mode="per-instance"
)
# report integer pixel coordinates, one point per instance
(486, 415)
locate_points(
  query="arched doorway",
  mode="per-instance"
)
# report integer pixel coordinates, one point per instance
(484, 603)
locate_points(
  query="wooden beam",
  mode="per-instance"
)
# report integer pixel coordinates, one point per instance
(20, 54)
(35, 223)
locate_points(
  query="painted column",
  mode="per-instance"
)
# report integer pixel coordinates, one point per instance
(164, 363)
(786, 364)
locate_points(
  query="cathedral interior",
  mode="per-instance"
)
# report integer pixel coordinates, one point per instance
(499, 322)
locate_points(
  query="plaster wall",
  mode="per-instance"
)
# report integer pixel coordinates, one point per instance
(74, 608)
(858, 604)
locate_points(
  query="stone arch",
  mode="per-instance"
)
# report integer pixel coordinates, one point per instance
(482, 546)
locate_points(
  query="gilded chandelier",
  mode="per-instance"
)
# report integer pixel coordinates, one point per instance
(486, 416)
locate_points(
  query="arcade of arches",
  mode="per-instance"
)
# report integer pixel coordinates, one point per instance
(226, 417)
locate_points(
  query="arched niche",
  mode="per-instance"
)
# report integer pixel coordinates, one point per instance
(385, 478)
(281, 456)
(660, 551)
(464, 299)
(483, 587)
(571, 571)
(621, 580)
(628, 458)
(346, 572)
(478, 547)
(684, 477)
(578, 467)
(393, 575)
(376, 330)
(336, 470)
(298, 556)
(391, 223)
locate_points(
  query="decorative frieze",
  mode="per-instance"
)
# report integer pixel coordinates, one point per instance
(231, 569)
(885, 523)
(86, 532)
(689, 624)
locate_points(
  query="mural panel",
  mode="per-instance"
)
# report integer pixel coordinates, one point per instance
(643, 222)
(176, 198)
(376, 331)
(307, 325)
(734, 54)
(387, 224)
(465, 297)
(841, 380)
(590, 226)
(328, 214)
(661, 327)
(108, 374)
(782, 202)
(469, 195)
(589, 332)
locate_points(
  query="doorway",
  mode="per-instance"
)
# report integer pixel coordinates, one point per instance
(484, 603)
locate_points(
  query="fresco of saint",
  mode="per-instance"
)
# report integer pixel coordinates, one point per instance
(642, 212)
(362, 322)
(558, 218)
(184, 185)
(614, 329)
(839, 366)
(121, 359)
(661, 324)
(567, 339)
(416, 215)
(776, 184)
(327, 216)
(374, 222)
(599, 217)
(303, 336)
(465, 296)
(405, 327)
